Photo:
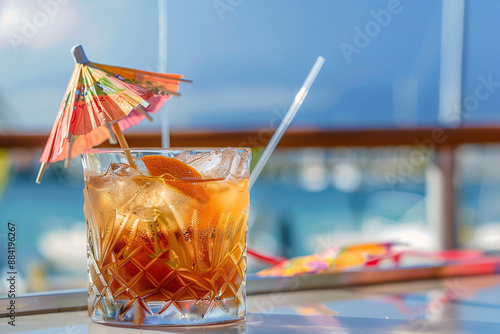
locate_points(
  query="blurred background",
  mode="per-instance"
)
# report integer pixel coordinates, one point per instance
(393, 66)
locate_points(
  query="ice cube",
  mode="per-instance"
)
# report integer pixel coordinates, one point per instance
(141, 167)
(125, 187)
(147, 214)
(239, 165)
(218, 164)
(202, 162)
(120, 169)
(232, 165)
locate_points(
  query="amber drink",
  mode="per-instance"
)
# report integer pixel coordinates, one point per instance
(166, 235)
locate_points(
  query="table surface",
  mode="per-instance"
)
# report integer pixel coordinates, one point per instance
(455, 305)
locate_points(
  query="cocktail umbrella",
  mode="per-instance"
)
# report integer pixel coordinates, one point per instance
(101, 101)
(334, 258)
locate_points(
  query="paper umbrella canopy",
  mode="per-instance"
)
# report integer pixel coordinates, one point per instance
(333, 258)
(100, 101)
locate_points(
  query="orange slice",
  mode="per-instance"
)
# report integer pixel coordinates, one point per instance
(171, 168)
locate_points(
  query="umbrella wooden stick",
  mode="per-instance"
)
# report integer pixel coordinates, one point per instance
(123, 143)
(68, 159)
(40, 172)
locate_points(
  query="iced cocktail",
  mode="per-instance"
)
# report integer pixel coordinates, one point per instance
(167, 236)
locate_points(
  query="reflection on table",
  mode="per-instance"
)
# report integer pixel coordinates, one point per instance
(455, 305)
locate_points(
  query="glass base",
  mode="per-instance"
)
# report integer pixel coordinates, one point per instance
(169, 313)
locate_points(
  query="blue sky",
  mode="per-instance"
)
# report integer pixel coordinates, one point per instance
(247, 59)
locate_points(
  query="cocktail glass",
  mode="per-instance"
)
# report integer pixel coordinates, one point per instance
(167, 239)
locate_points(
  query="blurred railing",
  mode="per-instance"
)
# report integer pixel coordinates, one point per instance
(435, 137)
(440, 141)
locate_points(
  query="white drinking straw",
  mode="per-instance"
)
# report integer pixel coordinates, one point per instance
(297, 102)
(162, 67)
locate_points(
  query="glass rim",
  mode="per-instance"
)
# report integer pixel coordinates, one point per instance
(160, 149)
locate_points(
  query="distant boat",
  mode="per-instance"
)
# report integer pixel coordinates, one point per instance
(65, 249)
